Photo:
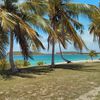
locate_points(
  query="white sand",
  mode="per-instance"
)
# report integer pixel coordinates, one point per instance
(74, 62)
(79, 61)
(91, 95)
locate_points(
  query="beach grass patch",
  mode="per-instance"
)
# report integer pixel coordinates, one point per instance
(40, 63)
(4, 64)
(22, 63)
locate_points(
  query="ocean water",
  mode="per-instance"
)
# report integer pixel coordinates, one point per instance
(47, 58)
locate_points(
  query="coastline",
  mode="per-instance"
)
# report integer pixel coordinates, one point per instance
(75, 62)
(79, 61)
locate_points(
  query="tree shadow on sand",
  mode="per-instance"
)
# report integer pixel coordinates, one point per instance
(31, 72)
(81, 67)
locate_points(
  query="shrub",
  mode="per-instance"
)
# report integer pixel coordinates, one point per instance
(92, 54)
(40, 63)
(22, 63)
(26, 63)
(3, 64)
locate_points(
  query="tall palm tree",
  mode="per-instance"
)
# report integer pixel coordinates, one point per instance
(13, 21)
(63, 17)
(62, 14)
(46, 26)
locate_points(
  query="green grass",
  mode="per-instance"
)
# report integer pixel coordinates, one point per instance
(64, 82)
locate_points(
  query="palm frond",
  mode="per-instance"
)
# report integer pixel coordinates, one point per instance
(77, 8)
(3, 43)
(7, 20)
(36, 6)
(95, 29)
(25, 33)
(78, 42)
(42, 23)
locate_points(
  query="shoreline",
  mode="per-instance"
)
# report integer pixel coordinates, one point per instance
(75, 62)
(79, 61)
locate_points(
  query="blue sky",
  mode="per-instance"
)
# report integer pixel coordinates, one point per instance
(95, 2)
(86, 37)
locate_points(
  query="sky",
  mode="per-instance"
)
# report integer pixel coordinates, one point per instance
(86, 37)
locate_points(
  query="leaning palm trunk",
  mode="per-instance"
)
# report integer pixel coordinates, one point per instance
(53, 43)
(53, 50)
(63, 56)
(11, 60)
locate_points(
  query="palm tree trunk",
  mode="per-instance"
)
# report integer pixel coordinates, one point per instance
(53, 42)
(53, 51)
(92, 58)
(11, 60)
(63, 56)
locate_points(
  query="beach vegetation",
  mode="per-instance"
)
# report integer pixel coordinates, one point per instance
(40, 63)
(22, 63)
(26, 63)
(61, 26)
(92, 54)
(3, 64)
(63, 20)
(14, 23)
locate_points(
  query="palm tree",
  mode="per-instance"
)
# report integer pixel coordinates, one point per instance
(92, 54)
(62, 15)
(12, 20)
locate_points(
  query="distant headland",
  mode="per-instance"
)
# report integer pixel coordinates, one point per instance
(41, 53)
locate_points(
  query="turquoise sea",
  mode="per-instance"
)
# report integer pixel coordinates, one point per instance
(47, 58)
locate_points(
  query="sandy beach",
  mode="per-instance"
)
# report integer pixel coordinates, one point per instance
(74, 81)
(80, 61)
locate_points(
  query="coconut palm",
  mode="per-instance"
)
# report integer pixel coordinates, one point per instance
(13, 21)
(92, 54)
(63, 17)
